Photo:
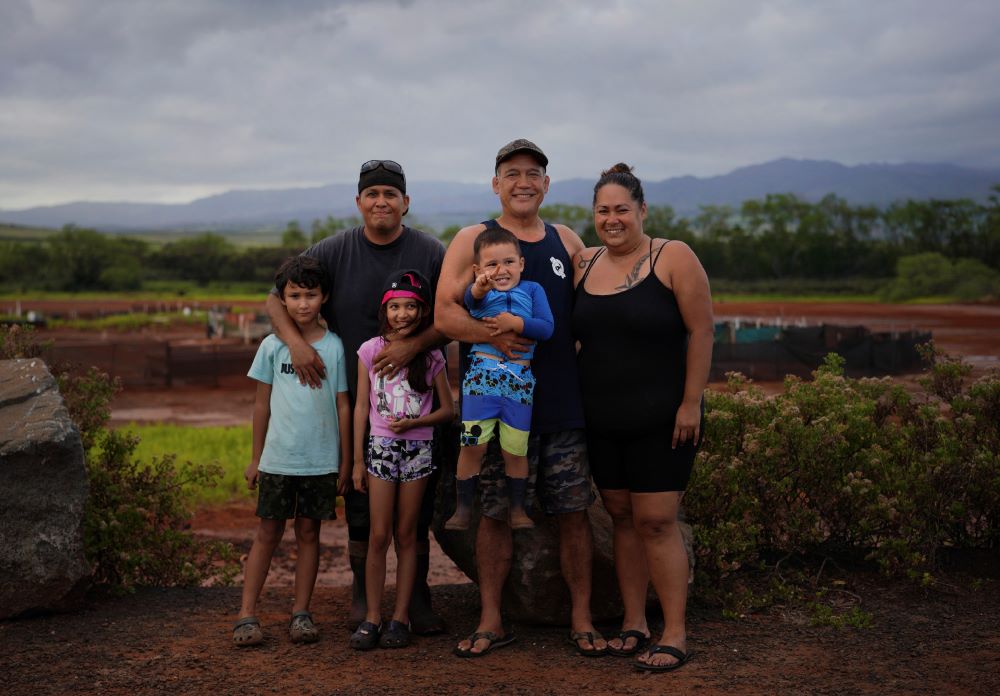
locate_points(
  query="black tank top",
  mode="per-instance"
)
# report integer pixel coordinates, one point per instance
(557, 401)
(633, 354)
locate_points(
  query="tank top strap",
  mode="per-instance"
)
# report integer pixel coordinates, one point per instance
(591, 265)
(654, 259)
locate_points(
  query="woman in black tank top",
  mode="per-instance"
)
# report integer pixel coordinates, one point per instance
(643, 318)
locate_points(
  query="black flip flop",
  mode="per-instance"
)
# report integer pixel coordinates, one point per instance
(589, 636)
(682, 659)
(641, 640)
(496, 642)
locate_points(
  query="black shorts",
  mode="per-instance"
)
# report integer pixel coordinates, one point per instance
(281, 497)
(640, 461)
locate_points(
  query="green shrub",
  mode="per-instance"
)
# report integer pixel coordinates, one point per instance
(932, 275)
(134, 527)
(846, 468)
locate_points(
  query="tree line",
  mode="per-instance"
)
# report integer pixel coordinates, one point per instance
(782, 238)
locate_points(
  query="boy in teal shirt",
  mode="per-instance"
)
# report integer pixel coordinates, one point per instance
(300, 436)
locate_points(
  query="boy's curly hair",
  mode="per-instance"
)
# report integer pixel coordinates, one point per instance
(304, 271)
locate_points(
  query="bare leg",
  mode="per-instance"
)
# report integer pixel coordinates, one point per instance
(382, 499)
(630, 566)
(259, 562)
(515, 466)
(307, 564)
(655, 516)
(576, 558)
(494, 550)
(411, 495)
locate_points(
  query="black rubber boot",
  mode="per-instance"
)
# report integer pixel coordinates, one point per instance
(517, 489)
(465, 493)
(423, 620)
(358, 553)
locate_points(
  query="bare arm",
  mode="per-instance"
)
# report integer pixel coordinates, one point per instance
(346, 440)
(362, 405)
(305, 360)
(261, 419)
(450, 315)
(683, 273)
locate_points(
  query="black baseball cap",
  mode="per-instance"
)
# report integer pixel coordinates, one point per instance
(408, 282)
(521, 145)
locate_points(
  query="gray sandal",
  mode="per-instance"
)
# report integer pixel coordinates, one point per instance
(246, 632)
(301, 629)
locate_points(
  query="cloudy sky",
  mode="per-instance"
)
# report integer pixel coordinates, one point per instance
(170, 100)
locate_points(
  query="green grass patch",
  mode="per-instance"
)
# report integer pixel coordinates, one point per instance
(157, 291)
(130, 322)
(227, 446)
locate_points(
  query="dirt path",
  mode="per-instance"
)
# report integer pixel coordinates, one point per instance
(177, 642)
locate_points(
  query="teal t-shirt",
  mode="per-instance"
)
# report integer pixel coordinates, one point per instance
(303, 435)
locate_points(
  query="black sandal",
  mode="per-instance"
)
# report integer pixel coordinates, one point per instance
(395, 635)
(366, 636)
(641, 639)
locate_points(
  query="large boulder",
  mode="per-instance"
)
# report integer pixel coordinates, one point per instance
(535, 591)
(43, 488)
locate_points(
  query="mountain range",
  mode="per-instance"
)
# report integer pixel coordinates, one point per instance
(441, 203)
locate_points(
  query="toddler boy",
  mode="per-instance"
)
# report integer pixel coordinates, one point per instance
(497, 390)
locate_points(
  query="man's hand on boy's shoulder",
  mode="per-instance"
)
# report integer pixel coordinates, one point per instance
(307, 363)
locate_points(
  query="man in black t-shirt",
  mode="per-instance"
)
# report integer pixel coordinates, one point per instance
(358, 262)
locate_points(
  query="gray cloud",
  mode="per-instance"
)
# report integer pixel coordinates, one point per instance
(148, 100)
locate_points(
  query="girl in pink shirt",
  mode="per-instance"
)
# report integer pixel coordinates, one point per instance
(393, 462)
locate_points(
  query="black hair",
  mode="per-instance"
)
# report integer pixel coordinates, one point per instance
(416, 371)
(304, 271)
(622, 175)
(494, 236)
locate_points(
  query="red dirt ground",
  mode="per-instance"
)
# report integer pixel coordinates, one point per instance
(178, 641)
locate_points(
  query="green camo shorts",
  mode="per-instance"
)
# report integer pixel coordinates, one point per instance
(281, 497)
(558, 475)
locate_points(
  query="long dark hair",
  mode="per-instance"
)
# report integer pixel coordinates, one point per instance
(416, 371)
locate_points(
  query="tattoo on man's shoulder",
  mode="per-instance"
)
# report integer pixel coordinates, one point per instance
(633, 276)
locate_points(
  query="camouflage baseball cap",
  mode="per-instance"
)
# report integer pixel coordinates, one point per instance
(522, 145)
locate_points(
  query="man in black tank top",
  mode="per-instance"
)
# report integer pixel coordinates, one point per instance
(557, 449)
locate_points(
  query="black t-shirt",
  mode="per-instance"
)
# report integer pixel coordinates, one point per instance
(358, 269)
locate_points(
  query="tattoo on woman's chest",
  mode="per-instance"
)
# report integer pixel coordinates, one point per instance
(632, 278)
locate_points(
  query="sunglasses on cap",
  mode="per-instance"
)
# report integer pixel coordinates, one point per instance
(388, 165)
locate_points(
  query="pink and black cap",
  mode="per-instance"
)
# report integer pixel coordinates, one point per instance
(407, 283)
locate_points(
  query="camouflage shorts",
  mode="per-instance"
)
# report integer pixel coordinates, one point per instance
(558, 475)
(281, 497)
